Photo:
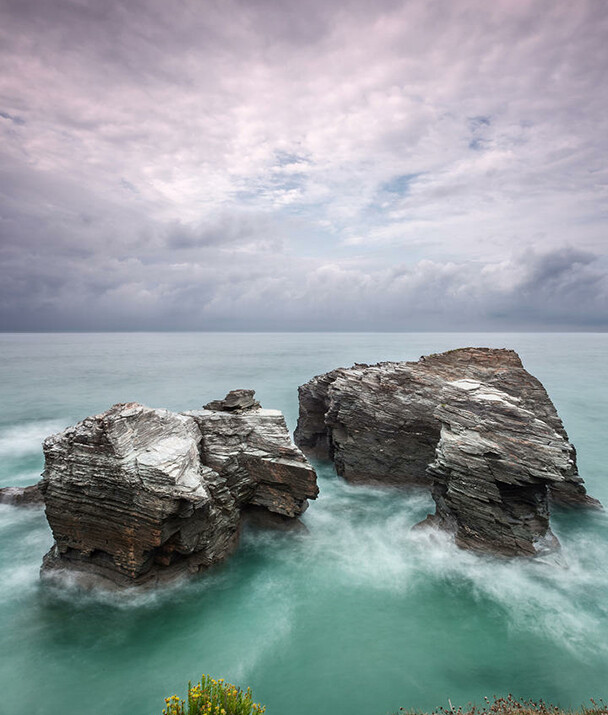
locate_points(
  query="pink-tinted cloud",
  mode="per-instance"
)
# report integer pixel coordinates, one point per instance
(254, 161)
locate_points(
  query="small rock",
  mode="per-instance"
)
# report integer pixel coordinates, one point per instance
(235, 401)
(22, 496)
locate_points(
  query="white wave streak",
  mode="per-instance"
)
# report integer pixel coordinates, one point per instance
(64, 586)
(13, 518)
(367, 541)
(30, 538)
(24, 439)
(266, 627)
(544, 598)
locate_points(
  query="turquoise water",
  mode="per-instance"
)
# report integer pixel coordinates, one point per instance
(358, 615)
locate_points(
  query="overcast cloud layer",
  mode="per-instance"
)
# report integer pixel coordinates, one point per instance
(282, 164)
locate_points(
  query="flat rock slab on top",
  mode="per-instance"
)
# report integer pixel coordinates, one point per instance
(139, 495)
(472, 424)
(235, 401)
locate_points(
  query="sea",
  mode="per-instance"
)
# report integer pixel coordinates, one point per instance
(354, 615)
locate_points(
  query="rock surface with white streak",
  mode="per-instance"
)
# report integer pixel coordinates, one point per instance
(471, 424)
(139, 495)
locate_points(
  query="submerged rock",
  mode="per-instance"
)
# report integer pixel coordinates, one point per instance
(21, 496)
(471, 424)
(138, 495)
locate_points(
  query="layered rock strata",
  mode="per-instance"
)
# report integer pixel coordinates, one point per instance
(471, 424)
(138, 495)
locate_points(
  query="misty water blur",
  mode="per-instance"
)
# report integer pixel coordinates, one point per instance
(356, 614)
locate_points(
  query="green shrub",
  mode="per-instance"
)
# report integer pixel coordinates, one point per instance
(213, 697)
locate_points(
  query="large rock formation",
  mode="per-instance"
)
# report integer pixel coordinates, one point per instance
(472, 424)
(136, 495)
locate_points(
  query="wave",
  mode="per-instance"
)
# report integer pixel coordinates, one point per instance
(360, 538)
(27, 532)
(20, 479)
(364, 537)
(25, 439)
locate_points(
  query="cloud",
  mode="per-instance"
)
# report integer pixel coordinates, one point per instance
(278, 164)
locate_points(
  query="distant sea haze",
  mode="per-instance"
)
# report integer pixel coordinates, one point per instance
(358, 615)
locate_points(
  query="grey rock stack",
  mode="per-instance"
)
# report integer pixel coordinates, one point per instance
(139, 495)
(471, 424)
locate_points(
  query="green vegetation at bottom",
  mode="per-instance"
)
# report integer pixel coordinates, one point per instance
(213, 697)
(217, 697)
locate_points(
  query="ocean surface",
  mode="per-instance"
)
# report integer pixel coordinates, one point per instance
(357, 615)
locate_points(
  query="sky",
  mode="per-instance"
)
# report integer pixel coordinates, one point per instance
(303, 165)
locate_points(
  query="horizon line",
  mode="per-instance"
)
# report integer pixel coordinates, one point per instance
(298, 332)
